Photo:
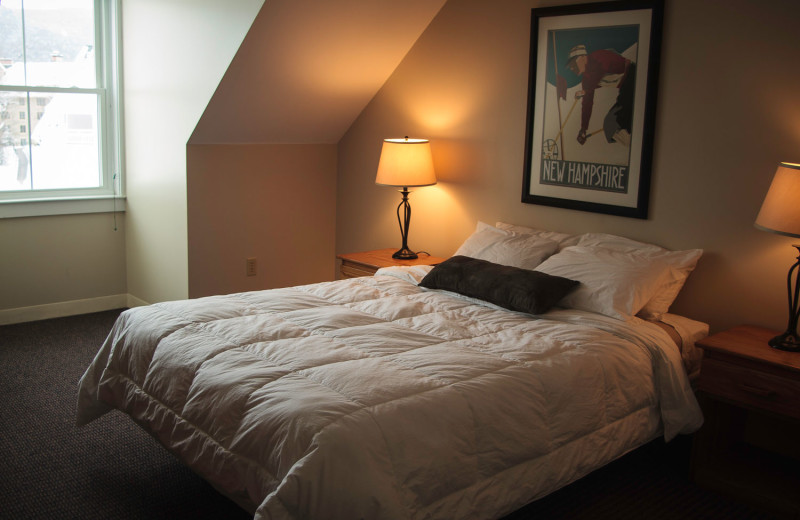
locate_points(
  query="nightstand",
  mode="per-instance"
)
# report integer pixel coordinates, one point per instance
(749, 446)
(368, 262)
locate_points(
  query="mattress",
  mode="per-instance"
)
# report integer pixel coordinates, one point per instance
(375, 398)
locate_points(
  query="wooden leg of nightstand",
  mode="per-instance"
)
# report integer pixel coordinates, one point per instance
(720, 432)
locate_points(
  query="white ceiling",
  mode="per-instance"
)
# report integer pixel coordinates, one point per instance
(307, 68)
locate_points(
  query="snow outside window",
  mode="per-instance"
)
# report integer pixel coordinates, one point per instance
(60, 114)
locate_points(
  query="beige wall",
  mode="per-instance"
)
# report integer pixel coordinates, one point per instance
(172, 67)
(727, 114)
(48, 261)
(276, 203)
(307, 68)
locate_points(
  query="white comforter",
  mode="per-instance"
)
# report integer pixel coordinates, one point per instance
(373, 398)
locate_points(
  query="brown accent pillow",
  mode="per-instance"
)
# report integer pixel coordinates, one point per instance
(512, 288)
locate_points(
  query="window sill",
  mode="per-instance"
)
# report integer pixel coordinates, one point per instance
(74, 206)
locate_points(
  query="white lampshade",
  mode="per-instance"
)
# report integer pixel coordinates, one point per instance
(406, 162)
(780, 212)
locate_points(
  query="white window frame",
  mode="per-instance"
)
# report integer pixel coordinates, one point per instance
(110, 196)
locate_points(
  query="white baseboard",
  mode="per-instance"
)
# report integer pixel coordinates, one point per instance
(69, 308)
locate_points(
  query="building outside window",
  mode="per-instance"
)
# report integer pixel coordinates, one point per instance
(60, 115)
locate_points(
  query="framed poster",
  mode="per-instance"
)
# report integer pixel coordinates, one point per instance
(591, 106)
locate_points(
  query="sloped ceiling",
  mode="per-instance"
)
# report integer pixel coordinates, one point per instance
(307, 68)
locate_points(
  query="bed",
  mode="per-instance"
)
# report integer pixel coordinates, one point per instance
(405, 395)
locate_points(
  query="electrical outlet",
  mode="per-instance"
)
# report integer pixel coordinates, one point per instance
(250, 266)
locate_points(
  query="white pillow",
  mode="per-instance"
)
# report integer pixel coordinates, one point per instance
(681, 262)
(563, 239)
(613, 283)
(506, 248)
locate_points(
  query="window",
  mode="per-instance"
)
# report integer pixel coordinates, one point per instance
(60, 115)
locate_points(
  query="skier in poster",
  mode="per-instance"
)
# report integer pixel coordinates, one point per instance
(605, 68)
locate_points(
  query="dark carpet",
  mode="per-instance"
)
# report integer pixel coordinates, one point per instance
(111, 469)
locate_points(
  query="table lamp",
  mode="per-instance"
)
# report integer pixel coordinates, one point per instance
(780, 213)
(405, 163)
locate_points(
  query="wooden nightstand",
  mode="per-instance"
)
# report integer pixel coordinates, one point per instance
(368, 262)
(749, 446)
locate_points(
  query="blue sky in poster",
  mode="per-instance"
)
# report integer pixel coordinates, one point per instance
(618, 38)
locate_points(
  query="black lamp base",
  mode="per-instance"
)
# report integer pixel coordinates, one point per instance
(405, 254)
(787, 341)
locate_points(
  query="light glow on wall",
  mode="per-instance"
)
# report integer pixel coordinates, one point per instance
(443, 112)
(430, 231)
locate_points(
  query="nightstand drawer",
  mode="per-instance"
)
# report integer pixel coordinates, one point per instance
(355, 270)
(750, 387)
